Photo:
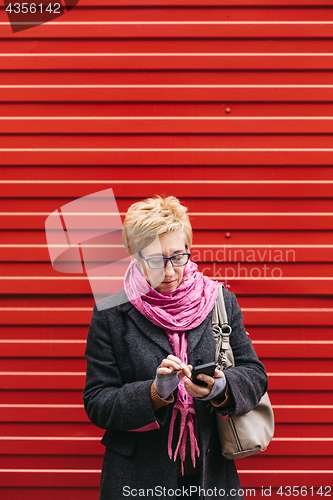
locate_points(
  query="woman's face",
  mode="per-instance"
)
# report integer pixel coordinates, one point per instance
(169, 277)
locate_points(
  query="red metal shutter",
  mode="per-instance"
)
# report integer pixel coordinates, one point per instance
(224, 104)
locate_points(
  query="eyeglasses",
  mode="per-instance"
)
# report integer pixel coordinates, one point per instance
(177, 260)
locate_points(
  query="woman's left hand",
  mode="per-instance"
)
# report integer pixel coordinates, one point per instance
(199, 391)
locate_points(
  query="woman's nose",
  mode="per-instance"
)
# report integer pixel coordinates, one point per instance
(168, 270)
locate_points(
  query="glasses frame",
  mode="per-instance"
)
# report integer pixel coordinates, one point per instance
(166, 259)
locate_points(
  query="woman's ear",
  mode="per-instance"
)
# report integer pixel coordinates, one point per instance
(135, 257)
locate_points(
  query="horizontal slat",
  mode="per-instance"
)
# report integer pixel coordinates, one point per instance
(49, 477)
(77, 175)
(75, 397)
(51, 493)
(75, 413)
(169, 46)
(284, 398)
(290, 334)
(285, 477)
(262, 462)
(186, 188)
(232, 79)
(44, 332)
(150, 93)
(43, 413)
(45, 316)
(224, 30)
(91, 478)
(281, 349)
(218, 221)
(43, 380)
(170, 109)
(204, 3)
(292, 253)
(244, 239)
(171, 143)
(302, 413)
(76, 380)
(62, 366)
(42, 348)
(265, 279)
(13, 445)
(167, 156)
(201, 205)
(176, 61)
(86, 303)
(20, 253)
(149, 125)
(190, 3)
(242, 264)
(272, 284)
(195, 172)
(66, 365)
(299, 446)
(63, 429)
(226, 15)
(81, 316)
(285, 316)
(278, 349)
(259, 333)
(64, 397)
(174, 142)
(87, 429)
(65, 462)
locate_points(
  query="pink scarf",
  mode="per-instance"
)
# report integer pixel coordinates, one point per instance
(176, 311)
(181, 309)
(184, 405)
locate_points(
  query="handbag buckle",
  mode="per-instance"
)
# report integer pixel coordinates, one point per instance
(223, 360)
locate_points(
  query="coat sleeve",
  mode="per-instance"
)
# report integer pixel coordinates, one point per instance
(247, 380)
(109, 402)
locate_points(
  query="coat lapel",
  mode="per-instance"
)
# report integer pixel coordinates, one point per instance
(157, 334)
(153, 332)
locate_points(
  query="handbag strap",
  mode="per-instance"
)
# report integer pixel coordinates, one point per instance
(221, 330)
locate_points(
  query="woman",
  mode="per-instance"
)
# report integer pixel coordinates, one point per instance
(161, 436)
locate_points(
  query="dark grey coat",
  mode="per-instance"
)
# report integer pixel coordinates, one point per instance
(123, 351)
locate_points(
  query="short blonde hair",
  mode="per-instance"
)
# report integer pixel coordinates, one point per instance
(154, 216)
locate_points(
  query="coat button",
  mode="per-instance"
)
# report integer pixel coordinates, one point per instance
(208, 451)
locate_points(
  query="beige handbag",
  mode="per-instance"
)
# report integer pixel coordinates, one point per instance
(241, 435)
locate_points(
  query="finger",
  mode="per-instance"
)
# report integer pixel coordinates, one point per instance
(168, 363)
(206, 378)
(196, 390)
(174, 358)
(187, 370)
(162, 370)
(218, 373)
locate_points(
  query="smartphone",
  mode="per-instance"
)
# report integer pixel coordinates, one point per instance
(207, 369)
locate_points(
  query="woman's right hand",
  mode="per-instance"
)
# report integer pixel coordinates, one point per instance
(169, 374)
(173, 364)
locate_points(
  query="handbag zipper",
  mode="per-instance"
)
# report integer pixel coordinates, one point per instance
(234, 431)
